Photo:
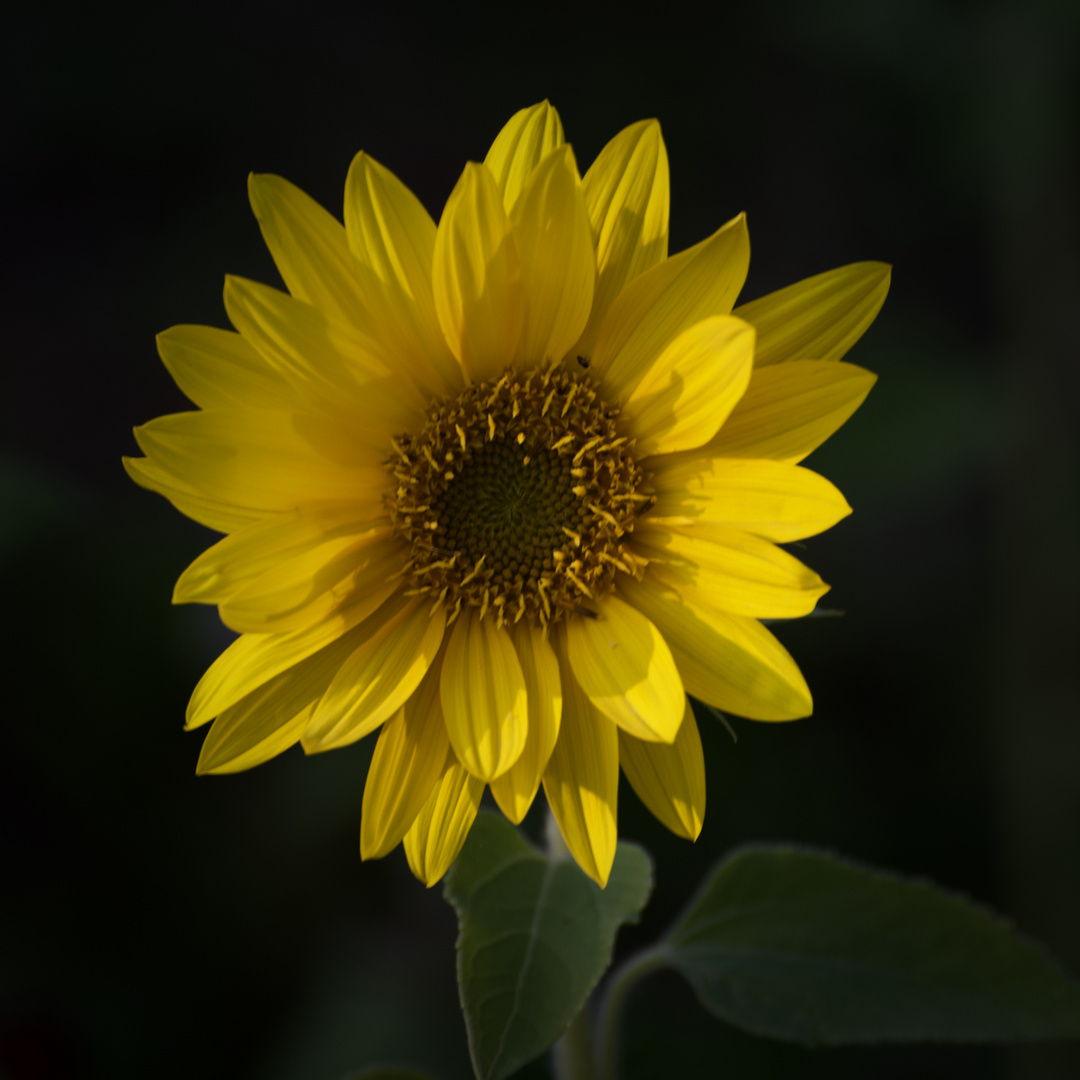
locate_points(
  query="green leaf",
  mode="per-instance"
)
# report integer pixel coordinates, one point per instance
(535, 937)
(802, 945)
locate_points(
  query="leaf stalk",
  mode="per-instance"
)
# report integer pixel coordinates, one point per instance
(613, 1001)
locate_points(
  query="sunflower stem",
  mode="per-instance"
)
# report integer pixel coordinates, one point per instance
(554, 844)
(572, 1056)
(613, 1002)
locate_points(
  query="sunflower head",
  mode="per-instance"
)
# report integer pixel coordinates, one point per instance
(506, 489)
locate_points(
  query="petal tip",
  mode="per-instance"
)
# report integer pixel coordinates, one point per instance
(510, 811)
(256, 187)
(600, 876)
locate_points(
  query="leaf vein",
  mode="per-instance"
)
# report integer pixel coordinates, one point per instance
(545, 886)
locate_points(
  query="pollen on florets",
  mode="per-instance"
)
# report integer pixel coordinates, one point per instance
(517, 497)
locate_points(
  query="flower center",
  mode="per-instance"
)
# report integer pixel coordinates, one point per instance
(517, 497)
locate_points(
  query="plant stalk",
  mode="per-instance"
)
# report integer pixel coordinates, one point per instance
(613, 1002)
(572, 1055)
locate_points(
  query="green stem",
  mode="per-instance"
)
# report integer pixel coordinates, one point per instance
(553, 841)
(613, 1002)
(572, 1055)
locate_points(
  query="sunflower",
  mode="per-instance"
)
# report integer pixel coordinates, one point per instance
(505, 490)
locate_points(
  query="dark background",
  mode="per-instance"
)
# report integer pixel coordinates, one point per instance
(155, 924)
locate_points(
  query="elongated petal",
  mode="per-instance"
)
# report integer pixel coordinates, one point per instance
(392, 238)
(669, 780)
(326, 363)
(717, 566)
(558, 264)
(405, 768)
(232, 563)
(768, 498)
(307, 588)
(217, 514)
(254, 659)
(691, 387)
(790, 409)
(261, 461)
(230, 748)
(309, 247)
(272, 717)
(439, 831)
(625, 667)
(219, 369)
(525, 140)
(515, 790)
(484, 697)
(728, 661)
(627, 193)
(819, 318)
(479, 297)
(658, 306)
(378, 678)
(581, 781)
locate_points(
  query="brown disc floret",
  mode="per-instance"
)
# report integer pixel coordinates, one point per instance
(517, 497)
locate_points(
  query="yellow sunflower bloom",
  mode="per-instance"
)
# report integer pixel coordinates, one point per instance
(506, 489)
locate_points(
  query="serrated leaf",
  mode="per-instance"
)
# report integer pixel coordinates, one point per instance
(535, 936)
(802, 945)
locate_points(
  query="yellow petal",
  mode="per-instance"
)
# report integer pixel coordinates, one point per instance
(526, 139)
(768, 498)
(627, 195)
(327, 364)
(405, 768)
(558, 264)
(483, 695)
(232, 563)
(219, 369)
(819, 318)
(790, 409)
(261, 461)
(229, 748)
(581, 781)
(439, 831)
(728, 661)
(669, 780)
(663, 302)
(716, 566)
(625, 667)
(479, 297)
(309, 247)
(515, 790)
(216, 514)
(272, 717)
(378, 678)
(254, 659)
(392, 238)
(310, 586)
(691, 387)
